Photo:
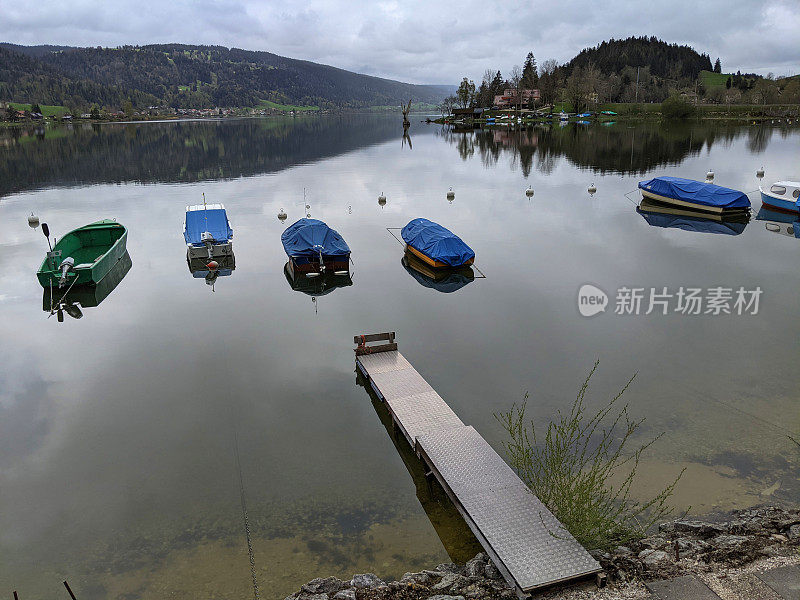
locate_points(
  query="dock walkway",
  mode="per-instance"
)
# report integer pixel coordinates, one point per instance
(530, 547)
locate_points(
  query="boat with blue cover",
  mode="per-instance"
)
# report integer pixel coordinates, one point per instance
(669, 217)
(314, 248)
(695, 195)
(783, 195)
(435, 245)
(207, 231)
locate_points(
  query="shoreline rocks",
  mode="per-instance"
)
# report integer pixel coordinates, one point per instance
(678, 547)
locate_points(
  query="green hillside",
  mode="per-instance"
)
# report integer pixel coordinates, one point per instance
(191, 76)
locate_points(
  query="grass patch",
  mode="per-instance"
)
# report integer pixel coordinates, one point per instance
(710, 79)
(285, 107)
(47, 110)
(572, 466)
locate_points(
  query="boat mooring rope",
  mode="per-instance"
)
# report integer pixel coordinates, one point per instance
(244, 517)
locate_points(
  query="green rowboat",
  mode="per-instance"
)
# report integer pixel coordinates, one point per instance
(94, 249)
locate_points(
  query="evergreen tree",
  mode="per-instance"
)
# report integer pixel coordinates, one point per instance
(717, 67)
(497, 86)
(35, 108)
(530, 74)
(728, 83)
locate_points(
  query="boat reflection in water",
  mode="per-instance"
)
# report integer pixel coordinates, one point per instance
(456, 537)
(784, 223)
(441, 280)
(671, 217)
(317, 284)
(211, 269)
(72, 301)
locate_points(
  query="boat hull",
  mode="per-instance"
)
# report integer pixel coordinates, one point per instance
(217, 250)
(779, 203)
(301, 264)
(92, 272)
(431, 262)
(88, 296)
(715, 210)
(315, 286)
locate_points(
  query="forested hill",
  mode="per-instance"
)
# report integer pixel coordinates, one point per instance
(668, 61)
(187, 76)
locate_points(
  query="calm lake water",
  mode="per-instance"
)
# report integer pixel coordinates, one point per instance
(119, 431)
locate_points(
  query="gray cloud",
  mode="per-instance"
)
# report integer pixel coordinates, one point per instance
(421, 42)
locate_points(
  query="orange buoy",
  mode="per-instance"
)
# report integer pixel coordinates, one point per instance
(213, 265)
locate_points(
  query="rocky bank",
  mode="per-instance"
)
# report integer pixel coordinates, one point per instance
(722, 552)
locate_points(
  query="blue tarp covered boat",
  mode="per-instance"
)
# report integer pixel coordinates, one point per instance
(435, 245)
(694, 194)
(312, 246)
(207, 231)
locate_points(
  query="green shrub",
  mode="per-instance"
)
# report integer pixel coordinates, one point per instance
(581, 472)
(676, 107)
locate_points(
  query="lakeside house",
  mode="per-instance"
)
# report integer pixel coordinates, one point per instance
(467, 113)
(513, 97)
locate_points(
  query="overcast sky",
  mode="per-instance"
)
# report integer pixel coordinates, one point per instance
(421, 42)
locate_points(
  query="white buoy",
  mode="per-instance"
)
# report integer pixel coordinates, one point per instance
(282, 215)
(451, 195)
(382, 199)
(33, 221)
(760, 173)
(710, 175)
(529, 192)
(592, 189)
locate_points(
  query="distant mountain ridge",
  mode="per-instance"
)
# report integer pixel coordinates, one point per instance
(190, 76)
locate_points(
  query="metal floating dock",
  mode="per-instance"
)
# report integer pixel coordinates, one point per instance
(530, 547)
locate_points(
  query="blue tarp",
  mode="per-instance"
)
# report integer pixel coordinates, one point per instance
(696, 192)
(697, 224)
(307, 237)
(216, 224)
(436, 242)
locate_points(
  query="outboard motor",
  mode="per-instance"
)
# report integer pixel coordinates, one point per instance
(66, 265)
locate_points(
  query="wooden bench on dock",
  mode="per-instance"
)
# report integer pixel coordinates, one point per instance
(529, 546)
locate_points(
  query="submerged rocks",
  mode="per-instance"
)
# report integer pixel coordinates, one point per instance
(327, 585)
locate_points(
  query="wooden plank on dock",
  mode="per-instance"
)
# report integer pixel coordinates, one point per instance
(530, 547)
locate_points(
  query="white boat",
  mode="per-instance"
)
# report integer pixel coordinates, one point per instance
(563, 116)
(784, 195)
(207, 231)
